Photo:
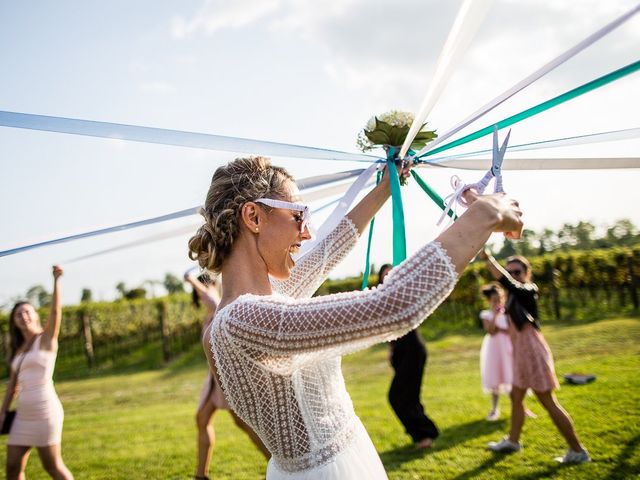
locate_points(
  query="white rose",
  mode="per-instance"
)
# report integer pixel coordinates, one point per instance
(371, 124)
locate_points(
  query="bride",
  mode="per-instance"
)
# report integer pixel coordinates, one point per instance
(277, 351)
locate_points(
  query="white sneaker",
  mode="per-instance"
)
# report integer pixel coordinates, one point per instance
(504, 446)
(574, 457)
(493, 415)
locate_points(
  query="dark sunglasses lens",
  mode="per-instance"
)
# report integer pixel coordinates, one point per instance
(514, 272)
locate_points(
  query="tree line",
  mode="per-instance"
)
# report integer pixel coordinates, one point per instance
(580, 236)
(574, 285)
(570, 237)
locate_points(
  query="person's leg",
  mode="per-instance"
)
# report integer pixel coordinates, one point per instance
(206, 436)
(17, 457)
(561, 419)
(510, 443)
(51, 459)
(252, 435)
(517, 413)
(495, 397)
(409, 360)
(494, 401)
(494, 413)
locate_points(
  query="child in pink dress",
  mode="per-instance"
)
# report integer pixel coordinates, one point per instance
(496, 353)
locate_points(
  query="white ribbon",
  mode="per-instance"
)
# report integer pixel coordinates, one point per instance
(612, 136)
(531, 164)
(559, 60)
(341, 209)
(163, 136)
(97, 231)
(162, 236)
(466, 24)
(454, 198)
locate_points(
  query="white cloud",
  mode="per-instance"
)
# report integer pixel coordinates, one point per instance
(387, 47)
(215, 15)
(156, 87)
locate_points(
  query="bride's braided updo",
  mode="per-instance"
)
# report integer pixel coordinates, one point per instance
(240, 181)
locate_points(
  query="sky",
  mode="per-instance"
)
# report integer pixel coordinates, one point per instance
(293, 71)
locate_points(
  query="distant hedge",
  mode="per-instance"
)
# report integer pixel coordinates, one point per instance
(578, 285)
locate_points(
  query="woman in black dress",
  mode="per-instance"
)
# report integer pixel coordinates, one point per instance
(408, 357)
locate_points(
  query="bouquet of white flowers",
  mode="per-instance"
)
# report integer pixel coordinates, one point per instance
(390, 129)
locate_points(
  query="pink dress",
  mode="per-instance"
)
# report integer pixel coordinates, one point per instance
(532, 360)
(39, 413)
(496, 356)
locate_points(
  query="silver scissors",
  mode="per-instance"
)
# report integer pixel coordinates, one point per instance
(494, 172)
(496, 166)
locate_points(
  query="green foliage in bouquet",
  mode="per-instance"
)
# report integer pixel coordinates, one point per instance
(391, 129)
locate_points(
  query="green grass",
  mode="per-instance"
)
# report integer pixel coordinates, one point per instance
(140, 425)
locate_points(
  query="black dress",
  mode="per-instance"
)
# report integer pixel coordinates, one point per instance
(408, 360)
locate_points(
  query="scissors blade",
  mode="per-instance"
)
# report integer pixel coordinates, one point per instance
(498, 154)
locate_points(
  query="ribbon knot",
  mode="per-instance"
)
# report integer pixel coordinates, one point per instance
(452, 199)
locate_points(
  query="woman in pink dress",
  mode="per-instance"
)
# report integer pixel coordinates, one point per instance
(532, 360)
(496, 355)
(39, 414)
(205, 290)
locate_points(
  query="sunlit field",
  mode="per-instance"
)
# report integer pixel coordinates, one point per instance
(140, 425)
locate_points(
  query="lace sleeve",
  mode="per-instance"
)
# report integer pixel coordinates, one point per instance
(313, 268)
(287, 333)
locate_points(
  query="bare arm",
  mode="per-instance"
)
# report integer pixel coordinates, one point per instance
(209, 298)
(365, 210)
(349, 321)
(314, 266)
(486, 214)
(489, 326)
(9, 395)
(488, 318)
(493, 266)
(52, 327)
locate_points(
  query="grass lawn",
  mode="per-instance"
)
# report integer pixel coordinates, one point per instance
(140, 425)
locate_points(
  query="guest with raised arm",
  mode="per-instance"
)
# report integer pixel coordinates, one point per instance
(39, 414)
(532, 360)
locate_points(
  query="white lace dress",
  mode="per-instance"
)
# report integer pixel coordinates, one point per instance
(278, 357)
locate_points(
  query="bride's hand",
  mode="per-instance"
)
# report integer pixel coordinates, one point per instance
(403, 170)
(506, 210)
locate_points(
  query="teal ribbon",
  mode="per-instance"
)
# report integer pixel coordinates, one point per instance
(576, 92)
(437, 199)
(399, 236)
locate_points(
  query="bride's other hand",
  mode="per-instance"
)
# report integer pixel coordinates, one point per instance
(486, 214)
(507, 208)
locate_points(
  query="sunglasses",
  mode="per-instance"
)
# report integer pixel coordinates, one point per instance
(515, 272)
(305, 216)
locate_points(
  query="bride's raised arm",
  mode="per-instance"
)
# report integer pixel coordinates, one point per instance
(314, 267)
(341, 323)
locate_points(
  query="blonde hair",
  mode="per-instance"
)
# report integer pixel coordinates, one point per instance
(240, 181)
